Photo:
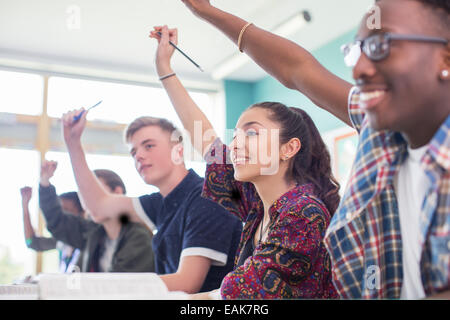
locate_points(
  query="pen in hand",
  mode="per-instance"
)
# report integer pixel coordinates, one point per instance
(184, 54)
(78, 117)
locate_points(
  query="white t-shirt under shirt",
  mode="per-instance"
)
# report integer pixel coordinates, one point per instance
(108, 253)
(411, 185)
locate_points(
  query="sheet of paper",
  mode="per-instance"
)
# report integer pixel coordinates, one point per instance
(19, 292)
(107, 286)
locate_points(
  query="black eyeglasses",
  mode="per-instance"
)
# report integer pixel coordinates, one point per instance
(376, 47)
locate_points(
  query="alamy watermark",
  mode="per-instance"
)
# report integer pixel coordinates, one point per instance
(73, 21)
(262, 149)
(372, 277)
(373, 21)
(73, 281)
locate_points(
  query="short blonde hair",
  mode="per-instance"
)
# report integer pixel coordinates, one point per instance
(143, 122)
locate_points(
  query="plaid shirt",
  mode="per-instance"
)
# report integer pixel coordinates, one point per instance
(364, 237)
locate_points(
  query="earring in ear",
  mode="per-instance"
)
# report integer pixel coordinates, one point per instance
(445, 73)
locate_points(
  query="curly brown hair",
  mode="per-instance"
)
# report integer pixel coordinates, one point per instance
(312, 164)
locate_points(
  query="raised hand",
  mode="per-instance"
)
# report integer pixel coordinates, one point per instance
(165, 50)
(197, 6)
(72, 130)
(47, 171)
(26, 193)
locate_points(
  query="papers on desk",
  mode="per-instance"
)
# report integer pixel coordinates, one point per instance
(120, 286)
(19, 292)
(95, 286)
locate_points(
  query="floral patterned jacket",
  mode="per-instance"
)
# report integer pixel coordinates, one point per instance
(292, 262)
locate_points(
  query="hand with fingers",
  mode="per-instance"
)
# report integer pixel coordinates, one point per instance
(165, 50)
(47, 171)
(26, 193)
(72, 130)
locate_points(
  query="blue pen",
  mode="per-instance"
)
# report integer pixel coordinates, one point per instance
(78, 117)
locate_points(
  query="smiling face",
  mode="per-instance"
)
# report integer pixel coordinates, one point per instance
(151, 149)
(255, 149)
(403, 91)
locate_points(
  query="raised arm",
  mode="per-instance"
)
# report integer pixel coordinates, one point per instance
(190, 114)
(26, 193)
(288, 62)
(32, 241)
(64, 227)
(101, 204)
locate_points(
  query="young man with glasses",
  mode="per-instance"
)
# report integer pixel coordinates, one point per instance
(390, 235)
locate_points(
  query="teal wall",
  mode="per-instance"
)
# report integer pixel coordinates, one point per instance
(239, 95)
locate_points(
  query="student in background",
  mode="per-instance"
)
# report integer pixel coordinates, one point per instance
(68, 256)
(116, 245)
(192, 253)
(279, 184)
(390, 236)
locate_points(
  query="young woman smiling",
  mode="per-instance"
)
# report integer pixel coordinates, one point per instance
(279, 184)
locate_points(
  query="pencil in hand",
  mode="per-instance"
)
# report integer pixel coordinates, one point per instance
(184, 54)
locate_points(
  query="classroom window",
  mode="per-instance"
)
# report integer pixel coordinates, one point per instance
(21, 93)
(121, 103)
(19, 168)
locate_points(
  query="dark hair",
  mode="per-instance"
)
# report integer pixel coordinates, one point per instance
(111, 179)
(438, 4)
(73, 196)
(312, 163)
(142, 122)
(441, 8)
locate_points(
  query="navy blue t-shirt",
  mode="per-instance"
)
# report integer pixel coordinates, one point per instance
(190, 225)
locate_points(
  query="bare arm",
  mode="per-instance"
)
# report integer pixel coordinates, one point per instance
(32, 241)
(101, 204)
(190, 275)
(190, 114)
(288, 62)
(26, 193)
(209, 295)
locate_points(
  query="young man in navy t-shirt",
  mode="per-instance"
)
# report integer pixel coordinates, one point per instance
(195, 239)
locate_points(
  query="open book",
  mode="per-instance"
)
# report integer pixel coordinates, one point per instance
(107, 286)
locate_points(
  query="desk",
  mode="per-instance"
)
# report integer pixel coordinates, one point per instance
(19, 292)
(92, 286)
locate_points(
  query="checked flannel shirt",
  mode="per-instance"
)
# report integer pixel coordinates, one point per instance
(364, 237)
